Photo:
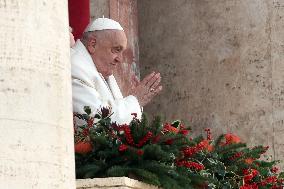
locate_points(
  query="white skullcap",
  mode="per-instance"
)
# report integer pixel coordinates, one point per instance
(103, 24)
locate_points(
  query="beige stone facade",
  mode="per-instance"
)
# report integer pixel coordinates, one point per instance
(222, 65)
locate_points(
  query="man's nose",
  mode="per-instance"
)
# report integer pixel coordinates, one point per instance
(119, 58)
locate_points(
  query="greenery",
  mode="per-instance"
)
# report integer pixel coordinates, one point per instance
(166, 155)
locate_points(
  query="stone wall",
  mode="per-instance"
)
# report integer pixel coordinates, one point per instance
(112, 183)
(99, 8)
(221, 63)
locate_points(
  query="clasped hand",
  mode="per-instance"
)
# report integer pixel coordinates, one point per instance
(145, 90)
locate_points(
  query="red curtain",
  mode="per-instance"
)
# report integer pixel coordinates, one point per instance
(79, 16)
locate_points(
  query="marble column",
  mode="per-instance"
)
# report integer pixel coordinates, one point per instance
(36, 137)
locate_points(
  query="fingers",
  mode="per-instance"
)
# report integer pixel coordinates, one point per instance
(135, 80)
(150, 95)
(148, 88)
(147, 78)
(154, 81)
(158, 90)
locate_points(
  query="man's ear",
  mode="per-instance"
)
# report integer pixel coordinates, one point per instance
(92, 45)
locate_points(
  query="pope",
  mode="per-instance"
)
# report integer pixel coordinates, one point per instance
(95, 57)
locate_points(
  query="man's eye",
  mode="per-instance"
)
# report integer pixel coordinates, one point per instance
(116, 50)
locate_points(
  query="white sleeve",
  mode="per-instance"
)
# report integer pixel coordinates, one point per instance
(84, 95)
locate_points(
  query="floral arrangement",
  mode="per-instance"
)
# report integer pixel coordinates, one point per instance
(166, 155)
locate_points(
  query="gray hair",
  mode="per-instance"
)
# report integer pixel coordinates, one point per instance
(99, 35)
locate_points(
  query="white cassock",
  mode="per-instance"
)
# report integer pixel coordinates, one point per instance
(91, 89)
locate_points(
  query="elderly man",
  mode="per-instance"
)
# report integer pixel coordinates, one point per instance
(96, 55)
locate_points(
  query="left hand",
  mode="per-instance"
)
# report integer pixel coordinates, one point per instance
(148, 88)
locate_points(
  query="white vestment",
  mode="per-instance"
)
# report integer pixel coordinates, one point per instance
(91, 89)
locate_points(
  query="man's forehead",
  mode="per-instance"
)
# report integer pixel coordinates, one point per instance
(119, 35)
(114, 36)
(115, 33)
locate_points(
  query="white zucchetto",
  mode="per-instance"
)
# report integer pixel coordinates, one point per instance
(103, 24)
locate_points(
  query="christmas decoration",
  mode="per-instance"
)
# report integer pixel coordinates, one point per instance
(166, 155)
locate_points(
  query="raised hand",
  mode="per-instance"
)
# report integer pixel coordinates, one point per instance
(145, 90)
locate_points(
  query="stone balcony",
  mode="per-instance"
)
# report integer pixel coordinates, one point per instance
(112, 183)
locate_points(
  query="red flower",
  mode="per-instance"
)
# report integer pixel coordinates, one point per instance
(145, 139)
(122, 147)
(206, 145)
(274, 169)
(249, 186)
(249, 160)
(248, 178)
(191, 165)
(127, 133)
(90, 122)
(169, 141)
(140, 152)
(254, 172)
(265, 149)
(249, 175)
(209, 135)
(236, 156)
(245, 171)
(232, 139)
(83, 147)
(86, 132)
(156, 139)
(189, 151)
(169, 128)
(184, 132)
(271, 179)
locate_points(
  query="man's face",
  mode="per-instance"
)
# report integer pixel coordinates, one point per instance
(108, 51)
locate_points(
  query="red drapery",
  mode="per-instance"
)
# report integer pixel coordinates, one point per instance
(79, 16)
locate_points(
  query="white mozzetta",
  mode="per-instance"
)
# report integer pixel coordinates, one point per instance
(91, 89)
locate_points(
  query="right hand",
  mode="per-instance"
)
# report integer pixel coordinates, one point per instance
(147, 89)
